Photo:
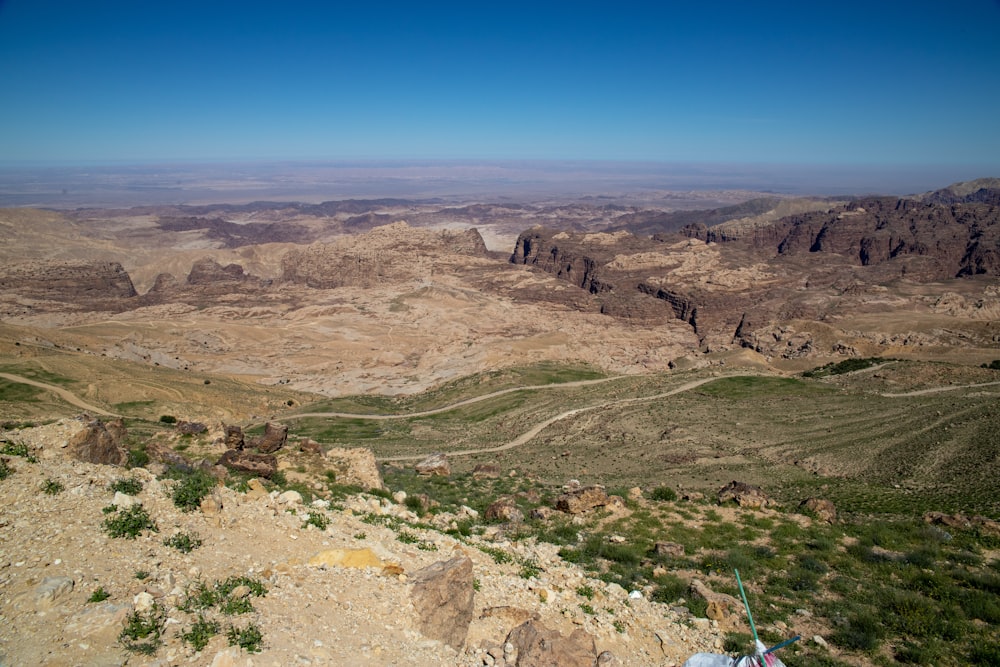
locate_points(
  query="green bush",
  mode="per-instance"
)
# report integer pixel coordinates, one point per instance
(663, 494)
(184, 542)
(862, 632)
(192, 488)
(317, 519)
(143, 632)
(129, 522)
(249, 638)
(200, 633)
(130, 486)
(168, 419)
(99, 595)
(5, 470)
(52, 487)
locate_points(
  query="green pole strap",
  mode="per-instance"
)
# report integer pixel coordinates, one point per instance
(746, 604)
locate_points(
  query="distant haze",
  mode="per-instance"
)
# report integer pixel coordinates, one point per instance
(123, 185)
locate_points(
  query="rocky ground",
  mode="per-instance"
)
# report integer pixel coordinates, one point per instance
(351, 593)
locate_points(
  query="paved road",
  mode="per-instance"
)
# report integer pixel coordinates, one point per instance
(65, 395)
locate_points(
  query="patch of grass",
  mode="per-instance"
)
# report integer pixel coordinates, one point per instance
(587, 609)
(129, 522)
(141, 575)
(184, 542)
(168, 419)
(18, 449)
(130, 486)
(137, 457)
(585, 591)
(663, 494)
(498, 555)
(52, 487)
(317, 519)
(248, 638)
(99, 595)
(143, 631)
(200, 633)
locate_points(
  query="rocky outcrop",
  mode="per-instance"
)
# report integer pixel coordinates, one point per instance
(744, 495)
(443, 596)
(234, 438)
(76, 284)
(535, 645)
(435, 464)
(274, 438)
(583, 499)
(504, 510)
(261, 465)
(100, 442)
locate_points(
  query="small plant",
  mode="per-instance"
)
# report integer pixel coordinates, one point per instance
(130, 486)
(231, 606)
(499, 556)
(587, 609)
(5, 470)
(99, 595)
(141, 575)
(249, 638)
(663, 494)
(406, 537)
(168, 419)
(360, 536)
(585, 591)
(137, 457)
(129, 522)
(52, 487)
(318, 520)
(476, 585)
(184, 542)
(143, 631)
(200, 633)
(619, 626)
(530, 569)
(193, 487)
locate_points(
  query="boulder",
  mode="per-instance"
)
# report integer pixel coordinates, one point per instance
(100, 443)
(582, 499)
(504, 510)
(486, 471)
(190, 428)
(274, 438)
(435, 464)
(443, 596)
(722, 606)
(261, 465)
(537, 646)
(234, 437)
(669, 549)
(309, 446)
(744, 495)
(823, 509)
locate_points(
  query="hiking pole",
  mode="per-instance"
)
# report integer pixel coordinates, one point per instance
(783, 644)
(746, 604)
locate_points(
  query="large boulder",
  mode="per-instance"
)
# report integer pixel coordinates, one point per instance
(234, 437)
(823, 509)
(435, 464)
(260, 465)
(537, 646)
(443, 597)
(744, 495)
(100, 443)
(583, 499)
(504, 510)
(274, 438)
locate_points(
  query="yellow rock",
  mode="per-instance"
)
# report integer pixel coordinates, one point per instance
(346, 558)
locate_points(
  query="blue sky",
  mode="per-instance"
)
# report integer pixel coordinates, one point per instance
(874, 83)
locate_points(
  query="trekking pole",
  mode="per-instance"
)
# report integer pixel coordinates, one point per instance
(746, 604)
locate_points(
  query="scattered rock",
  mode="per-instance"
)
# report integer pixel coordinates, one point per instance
(744, 495)
(51, 590)
(443, 596)
(211, 505)
(504, 510)
(274, 438)
(486, 471)
(436, 464)
(823, 509)
(261, 465)
(580, 500)
(961, 521)
(537, 646)
(309, 446)
(668, 549)
(190, 428)
(123, 501)
(100, 443)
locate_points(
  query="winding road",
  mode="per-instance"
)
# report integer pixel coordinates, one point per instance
(64, 394)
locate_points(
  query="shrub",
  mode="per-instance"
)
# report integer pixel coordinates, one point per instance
(317, 519)
(585, 591)
(5, 470)
(168, 419)
(99, 595)
(663, 493)
(130, 486)
(669, 587)
(143, 631)
(18, 449)
(862, 632)
(200, 633)
(137, 457)
(184, 542)
(249, 638)
(193, 487)
(129, 522)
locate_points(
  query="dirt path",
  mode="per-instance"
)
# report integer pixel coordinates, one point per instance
(538, 428)
(64, 394)
(937, 390)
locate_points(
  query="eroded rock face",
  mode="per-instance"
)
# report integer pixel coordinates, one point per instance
(744, 495)
(100, 443)
(261, 465)
(76, 282)
(581, 500)
(537, 646)
(443, 596)
(274, 438)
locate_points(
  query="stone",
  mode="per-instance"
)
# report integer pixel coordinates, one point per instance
(143, 602)
(274, 438)
(256, 489)
(100, 443)
(211, 505)
(668, 549)
(435, 464)
(51, 589)
(486, 471)
(744, 495)
(355, 558)
(724, 605)
(504, 510)
(538, 646)
(234, 437)
(355, 465)
(309, 446)
(819, 641)
(542, 512)
(443, 596)
(290, 497)
(261, 465)
(190, 428)
(635, 493)
(582, 499)
(823, 509)
(123, 501)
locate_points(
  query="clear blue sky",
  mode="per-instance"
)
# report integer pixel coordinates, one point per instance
(876, 82)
